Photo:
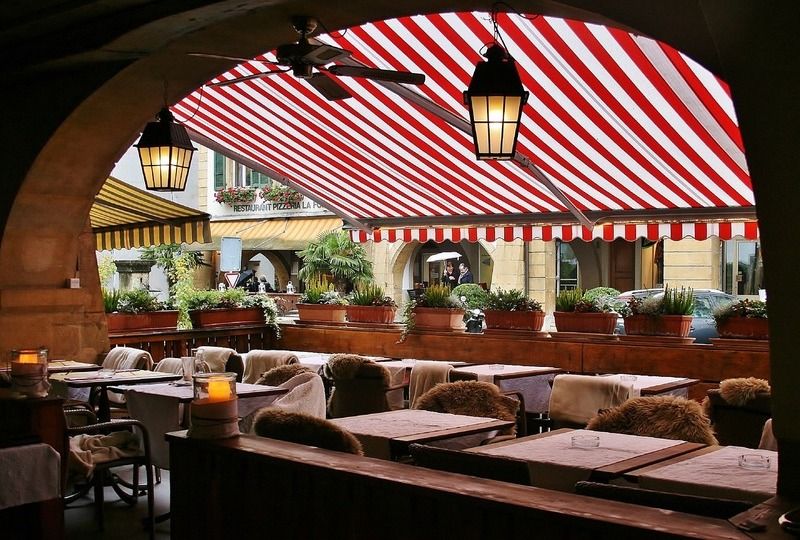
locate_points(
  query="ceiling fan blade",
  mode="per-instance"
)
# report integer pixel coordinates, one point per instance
(220, 57)
(247, 78)
(330, 89)
(378, 74)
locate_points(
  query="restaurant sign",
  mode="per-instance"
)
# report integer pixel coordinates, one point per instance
(267, 209)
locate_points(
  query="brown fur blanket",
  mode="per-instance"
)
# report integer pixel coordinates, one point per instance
(737, 392)
(279, 375)
(666, 417)
(350, 366)
(304, 429)
(471, 398)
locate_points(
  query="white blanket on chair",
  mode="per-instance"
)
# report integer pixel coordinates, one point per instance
(215, 357)
(426, 375)
(259, 361)
(87, 450)
(577, 398)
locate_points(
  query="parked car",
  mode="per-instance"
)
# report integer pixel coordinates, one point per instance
(705, 302)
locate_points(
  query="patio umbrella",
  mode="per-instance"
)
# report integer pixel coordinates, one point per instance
(443, 256)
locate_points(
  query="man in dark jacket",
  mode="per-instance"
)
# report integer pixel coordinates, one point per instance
(465, 276)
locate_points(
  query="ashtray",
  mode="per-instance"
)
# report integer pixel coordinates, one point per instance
(628, 378)
(754, 462)
(496, 367)
(585, 441)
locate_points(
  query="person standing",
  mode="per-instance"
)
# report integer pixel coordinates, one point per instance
(450, 276)
(465, 276)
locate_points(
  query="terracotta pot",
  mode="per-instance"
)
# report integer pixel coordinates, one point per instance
(371, 314)
(136, 322)
(595, 323)
(438, 318)
(743, 328)
(663, 325)
(322, 312)
(514, 320)
(218, 317)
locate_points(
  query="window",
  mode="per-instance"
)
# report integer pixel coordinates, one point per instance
(246, 177)
(219, 171)
(566, 267)
(742, 269)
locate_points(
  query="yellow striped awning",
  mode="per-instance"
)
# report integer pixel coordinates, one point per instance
(273, 234)
(124, 216)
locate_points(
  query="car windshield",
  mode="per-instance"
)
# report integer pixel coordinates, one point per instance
(703, 306)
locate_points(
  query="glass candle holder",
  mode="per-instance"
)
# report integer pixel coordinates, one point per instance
(29, 372)
(214, 409)
(755, 462)
(585, 441)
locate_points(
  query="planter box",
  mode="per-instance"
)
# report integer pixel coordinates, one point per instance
(594, 323)
(446, 319)
(743, 328)
(663, 325)
(219, 317)
(135, 322)
(322, 312)
(514, 320)
(371, 314)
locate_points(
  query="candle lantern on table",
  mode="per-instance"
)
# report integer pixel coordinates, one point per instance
(29, 372)
(215, 409)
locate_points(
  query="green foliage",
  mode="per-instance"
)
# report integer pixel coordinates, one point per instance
(183, 288)
(270, 308)
(166, 256)
(753, 309)
(110, 300)
(601, 293)
(334, 254)
(675, 302)
(511, 300)
(567, 300)
(319, 291)
(472, 295)
(281, 194)
(439, 296)
(137, 301)
(106, 268)
(370, 294)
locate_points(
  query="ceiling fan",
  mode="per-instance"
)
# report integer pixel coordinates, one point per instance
(307, 60)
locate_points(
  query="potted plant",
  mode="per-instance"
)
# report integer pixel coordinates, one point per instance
(137, 311)
(213, 309)
(334, 257)
(279, 194)
(512, 310)
(368, 303)
(575, 313)
(436, 309)
(321, 303)
(235, 195)
(745, 319)
(668, 314)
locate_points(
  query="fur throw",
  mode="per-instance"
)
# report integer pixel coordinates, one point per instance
(471, 398)
(666, 417)
(738, 392)
(351, 366)
(279, 375)
(304, 429)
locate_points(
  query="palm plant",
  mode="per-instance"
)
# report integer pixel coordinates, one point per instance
(334, 254)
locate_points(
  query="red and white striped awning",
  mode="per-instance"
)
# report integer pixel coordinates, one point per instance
(619, 122)
(566, 233)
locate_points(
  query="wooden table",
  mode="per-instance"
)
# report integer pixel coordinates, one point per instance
(533, 382)
(649, 385)
(62, 366)
(183, 392)
(387, 434)
(104, 378)
(555, 464)
(713, 471)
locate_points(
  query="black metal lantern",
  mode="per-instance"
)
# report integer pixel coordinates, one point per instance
(165, 152)
(495, 98)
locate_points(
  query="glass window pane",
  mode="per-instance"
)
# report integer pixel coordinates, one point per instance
(219, 172)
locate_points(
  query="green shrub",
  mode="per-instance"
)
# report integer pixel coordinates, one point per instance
(319, 291)
(370, 294)
(473, 296)
(137, 301)
(511, 300)
(110, 300)
(600, 293)
(439, 296)
(675, 302)
(567, 300)
(753, 309)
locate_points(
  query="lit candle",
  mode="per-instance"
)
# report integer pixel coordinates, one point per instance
(218, 390)
(28, 357)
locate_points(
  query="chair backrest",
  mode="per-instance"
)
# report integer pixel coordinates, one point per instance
(304, 429)
(222, 359)
(575, 399)
(678, 502)
(471, 398)
(665, 417)
(738, 425)
(260, 361)
(360, 385)
(426, 375)
(169, 365)
(504, 469)
(127, 358)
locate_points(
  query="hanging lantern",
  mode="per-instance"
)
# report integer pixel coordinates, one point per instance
(165, 152)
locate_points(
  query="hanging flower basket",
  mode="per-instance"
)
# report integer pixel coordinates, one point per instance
(281, 195)
(235, 195)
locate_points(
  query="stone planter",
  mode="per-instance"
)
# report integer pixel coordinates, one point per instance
(593, 323)
(443, 319)
(514, 320)
(220, 317)
(334, 313)
(662, 325)
(743, 328)
(371, 314)
(119, 323)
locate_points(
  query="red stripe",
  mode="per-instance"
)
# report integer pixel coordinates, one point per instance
(630, 232)
(392, 235)
(751, 230)
(527, 233)
(700, 231)
(652, 232)
(725, 232)
(377, 236)
(407, 235)
(438, 235)
(547, 233)
(472, 234)
(456, 235)
(676, 231)
(608, 232)
(587, 234)
(566, 233)
(490, 234)
(423, 235)
(508, 234)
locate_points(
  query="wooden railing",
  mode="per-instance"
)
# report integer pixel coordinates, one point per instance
(705, 362)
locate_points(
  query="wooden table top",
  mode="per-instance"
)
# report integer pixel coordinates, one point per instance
(108, 378)
(184, 392)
